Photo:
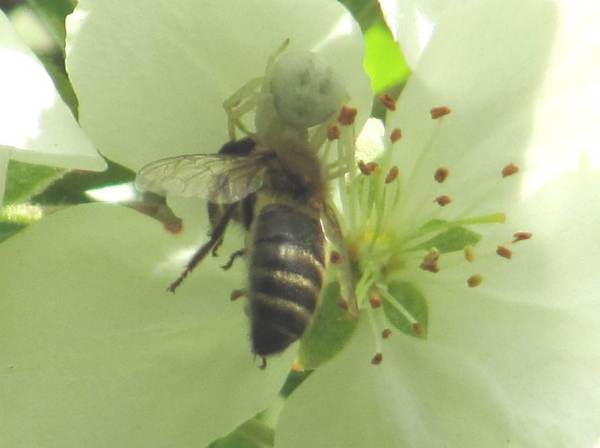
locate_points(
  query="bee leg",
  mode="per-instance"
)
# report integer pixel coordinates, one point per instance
(263, 365)
(216, 247)
(236, 254)
(216, 235)
(334, 232)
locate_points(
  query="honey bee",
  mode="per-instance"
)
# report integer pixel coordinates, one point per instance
(274, 184)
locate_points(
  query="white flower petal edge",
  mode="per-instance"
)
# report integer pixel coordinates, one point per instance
(151, 80)
(96, 353)
(412, 22)
(35, 124)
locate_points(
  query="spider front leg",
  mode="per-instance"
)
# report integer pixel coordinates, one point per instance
(240, 103)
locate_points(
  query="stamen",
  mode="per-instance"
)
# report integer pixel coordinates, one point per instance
(386, 333)
(174, 227)
(367, 168)
(509, 170)
(443, 200)
(333, 132)
(347, 115)
(441, 174)
(392, 175)
(375, 301)
(474, 280)
(437, 112)
(522, 236)
(388, 101)
(377, 359)
(504, 252)
(430, 261)
(469, 252)
(395, 135)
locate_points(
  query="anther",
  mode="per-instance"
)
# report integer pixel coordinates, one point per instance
(437, 112)
(347, 115)
(388, 101)
(474, 280)
(174, 227)
(504, 252)
(333, 132)
(417, 328)
(469, 252)
(441, 174)
(521, 236)
(395, 135)
(385, 334)
(335, 257)
(392, 175)
(430, 261)
(443, 200)
(297, 366)
(509, 170)
(367, 168)
(377, 359)
(375, 301)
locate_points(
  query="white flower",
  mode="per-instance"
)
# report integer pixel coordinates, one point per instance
(35, 124)
(515, 360)
(97, 356)
(95, 351)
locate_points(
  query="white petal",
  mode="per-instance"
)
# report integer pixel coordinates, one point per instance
(369, 143)
(96, 353)
(151, 80)
(516, 91)
(421, 395)
(412, 22)
(545, 360)
(35, 124)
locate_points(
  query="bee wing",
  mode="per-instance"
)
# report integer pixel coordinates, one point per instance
(217, 178)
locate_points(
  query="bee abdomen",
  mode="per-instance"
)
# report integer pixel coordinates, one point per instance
(286, 275)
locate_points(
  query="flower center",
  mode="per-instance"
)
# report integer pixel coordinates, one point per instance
(386, 249)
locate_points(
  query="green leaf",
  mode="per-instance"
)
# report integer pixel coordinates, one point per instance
(56, 70)
(453, 239)
(251, 434)
(366, 13)
(8, 229)
(330, 331)
(406, 309)
(72, 187)
(52, 13)
(25, 180)
(384, 61)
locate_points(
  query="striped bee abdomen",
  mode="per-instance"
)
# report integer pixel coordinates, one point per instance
(287, 265)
